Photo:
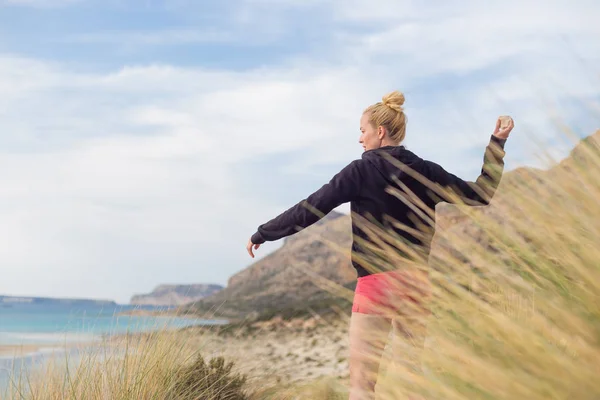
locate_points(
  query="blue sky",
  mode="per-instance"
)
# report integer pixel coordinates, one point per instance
(143, 142)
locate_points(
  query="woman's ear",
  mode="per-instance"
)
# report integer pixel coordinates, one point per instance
(380, 132)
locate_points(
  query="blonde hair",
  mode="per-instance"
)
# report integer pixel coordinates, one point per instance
(389, 114)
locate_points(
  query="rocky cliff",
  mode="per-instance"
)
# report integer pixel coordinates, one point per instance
(292, 274)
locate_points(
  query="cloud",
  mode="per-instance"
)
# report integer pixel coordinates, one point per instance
(104, 170)
(114, 181)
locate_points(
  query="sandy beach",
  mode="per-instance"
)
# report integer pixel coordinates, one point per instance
(280, 352)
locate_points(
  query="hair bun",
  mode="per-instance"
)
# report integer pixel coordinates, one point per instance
(394, 100)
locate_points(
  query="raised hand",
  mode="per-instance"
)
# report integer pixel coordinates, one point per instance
(504, 125)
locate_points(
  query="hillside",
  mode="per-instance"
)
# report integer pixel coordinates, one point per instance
(541, 182)
(580, 154)
(175, 295)
(286, 276)
(282, 282)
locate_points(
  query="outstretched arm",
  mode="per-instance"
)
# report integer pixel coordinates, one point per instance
(483, 189)
(342, 188)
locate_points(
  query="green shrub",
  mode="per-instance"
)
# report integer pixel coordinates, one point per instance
(213, 380)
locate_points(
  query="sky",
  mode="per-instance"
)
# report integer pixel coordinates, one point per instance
(142, 142)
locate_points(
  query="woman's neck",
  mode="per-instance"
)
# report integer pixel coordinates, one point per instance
(387, 142)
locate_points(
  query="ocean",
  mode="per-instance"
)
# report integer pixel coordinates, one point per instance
(44, 326)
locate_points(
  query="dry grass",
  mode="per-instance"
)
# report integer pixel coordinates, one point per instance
(516, 305)
(158, 365)
(523, 321)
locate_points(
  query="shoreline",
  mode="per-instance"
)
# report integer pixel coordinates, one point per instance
(20, 351)
(31, 348)
(269, 353)
(8, 351)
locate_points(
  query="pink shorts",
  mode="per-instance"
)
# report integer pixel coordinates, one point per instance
(392, 293)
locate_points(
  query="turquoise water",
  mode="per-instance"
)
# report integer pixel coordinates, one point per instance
(52, 326)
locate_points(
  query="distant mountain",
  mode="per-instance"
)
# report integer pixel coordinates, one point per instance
(284, 282)
(7, 300)
(175, 295)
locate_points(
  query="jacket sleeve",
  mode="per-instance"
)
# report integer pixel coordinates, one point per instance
(342, 188)
(483, 189)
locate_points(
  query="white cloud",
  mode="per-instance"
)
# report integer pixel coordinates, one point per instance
(114, 182)
(120, 165)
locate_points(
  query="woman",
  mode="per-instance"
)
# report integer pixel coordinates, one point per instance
(385, 299)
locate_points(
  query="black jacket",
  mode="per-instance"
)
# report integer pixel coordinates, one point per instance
(408, 212)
